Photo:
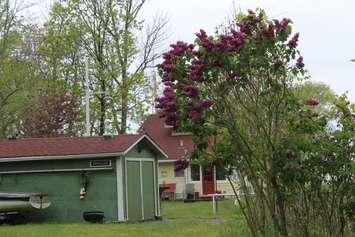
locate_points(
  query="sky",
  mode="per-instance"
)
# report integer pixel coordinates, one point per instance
(326, 27)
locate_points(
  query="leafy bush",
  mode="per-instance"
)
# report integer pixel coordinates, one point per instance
(236, 92)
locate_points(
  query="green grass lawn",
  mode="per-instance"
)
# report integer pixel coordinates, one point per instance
(180, 219)
(200, 210)
(108, 230)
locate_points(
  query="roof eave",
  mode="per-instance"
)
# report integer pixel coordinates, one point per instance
(167, 161)
(88, 156)
(155, 145)
(61, 157)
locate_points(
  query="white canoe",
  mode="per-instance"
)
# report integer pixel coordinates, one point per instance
(23, 201)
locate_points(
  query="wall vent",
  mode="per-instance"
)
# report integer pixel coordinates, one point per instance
(100, 163)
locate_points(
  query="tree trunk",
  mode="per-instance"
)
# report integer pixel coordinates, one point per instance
(280, 208)
(124, 102)
(124, 112)
(102, 115)
(102, 108)
(249, 223)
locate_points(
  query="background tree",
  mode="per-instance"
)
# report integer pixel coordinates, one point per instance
(55, 113)
(60, 49)
(134, 57)
(318, 91)
(8, 88)
(118, 45)
(19, 77)
(319, 168)
(106, 33)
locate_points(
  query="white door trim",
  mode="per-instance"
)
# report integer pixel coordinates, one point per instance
(120, 201)
(156, 191)
(126, 188)
(142, 194)
(140, 159)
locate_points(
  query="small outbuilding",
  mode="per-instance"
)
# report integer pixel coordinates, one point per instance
(115, 175)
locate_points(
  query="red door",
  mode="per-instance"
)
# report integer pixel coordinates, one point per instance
(208, 182)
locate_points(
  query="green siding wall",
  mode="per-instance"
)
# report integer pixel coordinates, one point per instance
(143, 153)
(148, 189)
(134, 191)
(64, 188)
(133, 185)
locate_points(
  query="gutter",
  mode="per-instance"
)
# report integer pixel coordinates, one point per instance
(167, 161)
(65, 157)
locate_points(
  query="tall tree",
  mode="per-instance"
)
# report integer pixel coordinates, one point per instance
(318, 91)
(107, 34)
(60, 49)
(18, 72)
(8, 35)
(133, 59)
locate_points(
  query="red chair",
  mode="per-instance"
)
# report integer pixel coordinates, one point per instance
(169, 191)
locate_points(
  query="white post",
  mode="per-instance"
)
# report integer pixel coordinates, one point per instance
(214, 179)
(201, 181)
(87, 100)
(214, 204)
(155, 86)
(155, 89)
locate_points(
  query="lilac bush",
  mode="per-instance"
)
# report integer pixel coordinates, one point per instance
(236, 88)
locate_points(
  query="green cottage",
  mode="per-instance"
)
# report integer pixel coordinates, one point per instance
(116, 175)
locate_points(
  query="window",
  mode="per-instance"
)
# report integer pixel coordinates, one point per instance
(195, 172)
(163, 173)
(179, 173)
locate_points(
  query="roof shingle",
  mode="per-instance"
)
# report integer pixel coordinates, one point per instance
(61, 146)
(175, 146)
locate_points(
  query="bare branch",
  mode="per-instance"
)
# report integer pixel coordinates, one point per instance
(151, 46)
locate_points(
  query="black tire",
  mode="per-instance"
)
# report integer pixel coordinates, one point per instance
(15, 219)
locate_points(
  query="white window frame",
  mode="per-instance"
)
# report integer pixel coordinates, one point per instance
(190, 176)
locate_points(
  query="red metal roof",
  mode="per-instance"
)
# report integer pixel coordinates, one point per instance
(61, 146)
(174, 145)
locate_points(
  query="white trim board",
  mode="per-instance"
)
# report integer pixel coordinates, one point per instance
(126, 193)
(53, 170)
(166, 161)
(156, 191)
(141, 182)
(81, 156)
(120, 201)
(139, 159)
(151, 141)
